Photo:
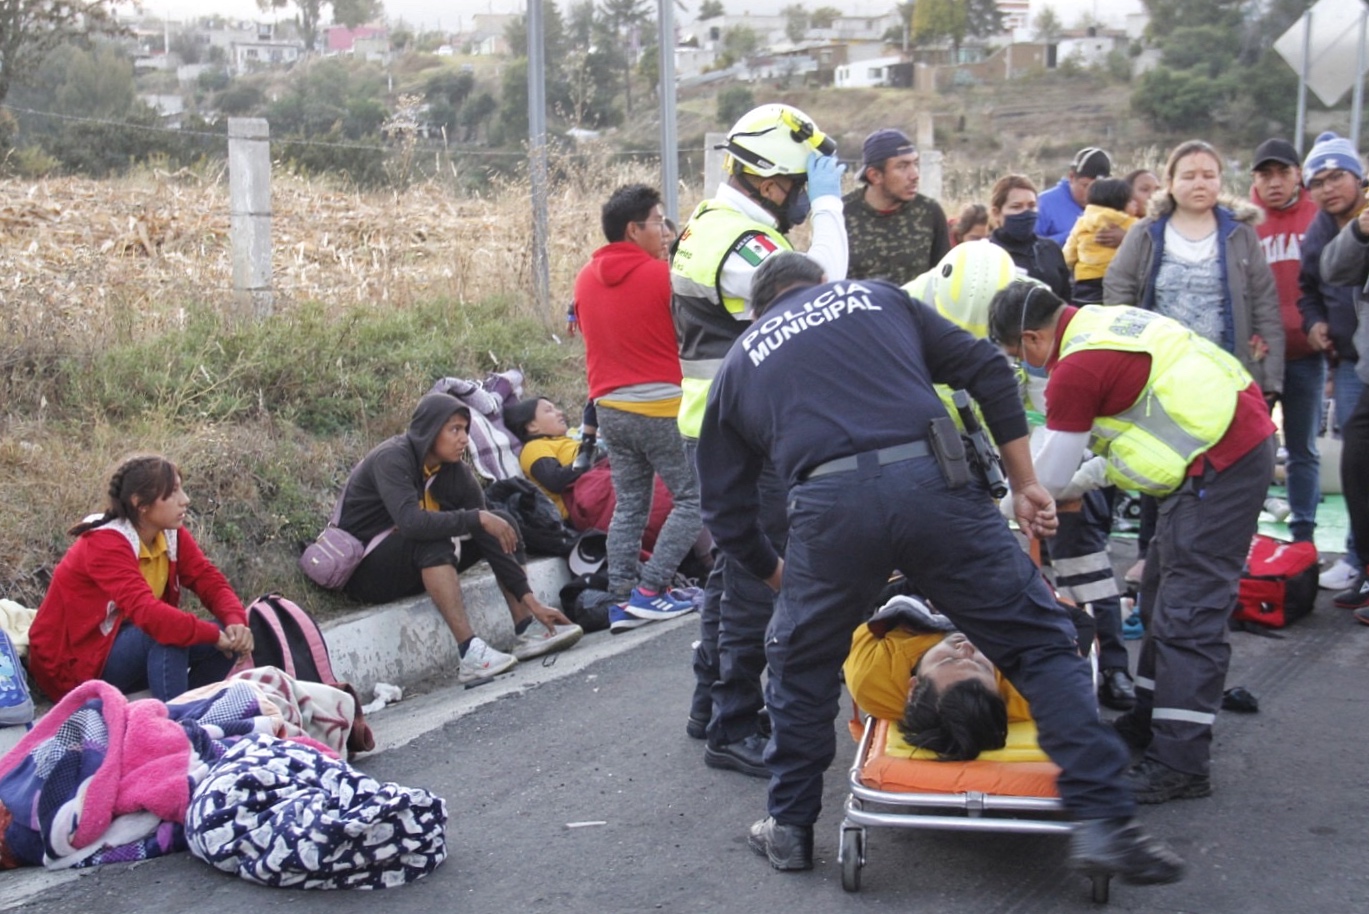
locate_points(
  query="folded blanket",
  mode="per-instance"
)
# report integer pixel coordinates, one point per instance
(280, 813)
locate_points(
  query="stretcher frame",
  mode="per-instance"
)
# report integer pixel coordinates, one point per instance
(1019, 814)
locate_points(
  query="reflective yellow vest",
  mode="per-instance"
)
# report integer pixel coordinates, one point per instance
(706, 322)
(1187, 405)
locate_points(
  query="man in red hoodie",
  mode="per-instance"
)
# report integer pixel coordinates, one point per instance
(1277, 189)
(622, 300)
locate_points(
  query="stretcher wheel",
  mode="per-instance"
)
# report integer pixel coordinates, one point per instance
(1101, 886)
(852, 858)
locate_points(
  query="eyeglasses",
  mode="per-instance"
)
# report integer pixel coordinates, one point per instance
(662, 224)
(1331, 177)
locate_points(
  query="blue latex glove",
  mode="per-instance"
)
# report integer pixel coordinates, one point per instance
(824, 176)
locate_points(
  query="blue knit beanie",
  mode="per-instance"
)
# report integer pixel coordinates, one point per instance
(1332, 151)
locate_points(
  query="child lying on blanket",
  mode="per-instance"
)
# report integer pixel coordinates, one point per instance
(907, 664)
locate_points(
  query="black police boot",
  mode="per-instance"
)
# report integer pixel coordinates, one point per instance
(1155, 782)
(788, 847)
(1118, 847)
(1116, 690)
(745, 755)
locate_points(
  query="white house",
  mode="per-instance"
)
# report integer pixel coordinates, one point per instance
(865, 73)
(246, 56)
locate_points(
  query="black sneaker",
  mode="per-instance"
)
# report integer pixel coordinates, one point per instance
(1156, 782)
(788, 847)
(1118, 847)
(1355, 597)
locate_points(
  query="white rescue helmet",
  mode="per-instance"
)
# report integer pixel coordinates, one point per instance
(773, 140)
(962, 286)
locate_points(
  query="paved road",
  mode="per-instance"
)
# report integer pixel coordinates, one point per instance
(604, 742)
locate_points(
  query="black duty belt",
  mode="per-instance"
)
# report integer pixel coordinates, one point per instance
(870, 460)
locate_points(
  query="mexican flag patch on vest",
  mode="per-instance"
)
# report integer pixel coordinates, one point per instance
(756, 248)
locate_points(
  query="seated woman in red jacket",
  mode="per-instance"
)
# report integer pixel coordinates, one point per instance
(113, 610)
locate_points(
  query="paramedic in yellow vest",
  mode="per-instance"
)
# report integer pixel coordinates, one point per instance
(1174, 416)
(961, 288)
(780, 169)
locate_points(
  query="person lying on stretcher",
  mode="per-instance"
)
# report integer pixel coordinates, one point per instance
(908, 664)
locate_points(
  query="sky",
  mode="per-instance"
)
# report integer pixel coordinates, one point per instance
(448, 13)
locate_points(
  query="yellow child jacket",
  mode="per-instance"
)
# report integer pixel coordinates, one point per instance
(1086, 257)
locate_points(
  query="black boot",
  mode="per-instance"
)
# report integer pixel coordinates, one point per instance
(789, 847)
(1116, 690)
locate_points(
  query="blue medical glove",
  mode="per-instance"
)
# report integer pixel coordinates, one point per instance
(824, 176)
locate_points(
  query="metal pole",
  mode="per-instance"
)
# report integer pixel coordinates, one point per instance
(1301, 128)
(670, 154)
(537, 160)
(1357, 97)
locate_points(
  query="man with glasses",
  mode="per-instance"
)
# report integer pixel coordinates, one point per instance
(622, 303)
(1335, 182)
(1345, 261)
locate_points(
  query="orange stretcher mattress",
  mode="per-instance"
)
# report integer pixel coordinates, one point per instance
(889, 767)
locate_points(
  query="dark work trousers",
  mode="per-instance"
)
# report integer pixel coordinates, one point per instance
(847, 531)
(1150, 512)
(1083, 573)
(737, 606)
(1354, 471)
(1192, 572)
(394, 569)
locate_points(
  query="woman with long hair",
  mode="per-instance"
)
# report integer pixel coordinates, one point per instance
(113, 609)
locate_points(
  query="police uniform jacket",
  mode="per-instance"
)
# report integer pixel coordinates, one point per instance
(831, 371)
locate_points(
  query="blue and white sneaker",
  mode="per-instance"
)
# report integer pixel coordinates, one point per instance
(619, 621)
(659, 606)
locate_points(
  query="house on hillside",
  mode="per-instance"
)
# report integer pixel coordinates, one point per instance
(878, 71)
(339, 39)
(250, 56)
(486, 36)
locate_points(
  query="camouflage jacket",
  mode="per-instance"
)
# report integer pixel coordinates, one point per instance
(896, 246)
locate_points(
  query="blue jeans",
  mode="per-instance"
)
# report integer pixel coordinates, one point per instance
(1304, 385)
(1348, 389)
(138, 662)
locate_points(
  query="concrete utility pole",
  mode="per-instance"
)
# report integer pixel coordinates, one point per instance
(537, 160)
(249, 197)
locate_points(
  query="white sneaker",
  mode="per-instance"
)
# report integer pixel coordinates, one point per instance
(482, 661)
(1278, 509)
(1338, 576)
(537, 641)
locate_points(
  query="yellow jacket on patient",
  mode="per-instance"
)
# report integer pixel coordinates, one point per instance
(1086, 257)
(879, 672)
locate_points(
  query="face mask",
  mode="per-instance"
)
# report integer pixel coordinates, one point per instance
(1019, 226)
(797, 207)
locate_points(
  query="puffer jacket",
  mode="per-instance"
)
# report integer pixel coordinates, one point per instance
(1251, 296)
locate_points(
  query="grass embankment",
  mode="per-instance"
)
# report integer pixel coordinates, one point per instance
(106, 351)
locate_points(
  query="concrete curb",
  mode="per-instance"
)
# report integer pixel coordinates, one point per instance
(406, 642)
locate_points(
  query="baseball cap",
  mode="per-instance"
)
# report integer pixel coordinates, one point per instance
(1092, 162)
(886, 144)
(1275, 150)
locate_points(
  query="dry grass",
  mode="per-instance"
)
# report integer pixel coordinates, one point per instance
(111, 342)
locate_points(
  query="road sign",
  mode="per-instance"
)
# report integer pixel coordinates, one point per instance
(1334, 48)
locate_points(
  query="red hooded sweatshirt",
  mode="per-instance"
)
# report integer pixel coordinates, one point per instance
(622, 301)
(1281, 237)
